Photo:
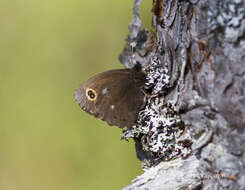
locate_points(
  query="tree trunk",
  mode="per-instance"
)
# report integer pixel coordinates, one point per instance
(206, 40)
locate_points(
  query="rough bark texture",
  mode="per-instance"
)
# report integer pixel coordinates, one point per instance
(209, 37)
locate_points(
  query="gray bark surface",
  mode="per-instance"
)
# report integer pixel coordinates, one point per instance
(212, 100)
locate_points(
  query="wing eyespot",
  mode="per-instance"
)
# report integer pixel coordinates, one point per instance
(91, 94)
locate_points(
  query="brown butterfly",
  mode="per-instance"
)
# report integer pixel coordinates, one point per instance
(115, 96)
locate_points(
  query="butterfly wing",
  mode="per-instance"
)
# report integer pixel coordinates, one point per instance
(117, 96)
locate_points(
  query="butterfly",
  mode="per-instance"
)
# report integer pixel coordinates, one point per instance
(114, 96)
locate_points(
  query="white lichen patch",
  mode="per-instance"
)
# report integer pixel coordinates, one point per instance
(162, 127)
(157, 76)
(161, 131)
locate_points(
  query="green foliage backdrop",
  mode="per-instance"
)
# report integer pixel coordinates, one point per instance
(47, 48)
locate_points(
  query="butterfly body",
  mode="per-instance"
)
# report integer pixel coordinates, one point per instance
(114, 96)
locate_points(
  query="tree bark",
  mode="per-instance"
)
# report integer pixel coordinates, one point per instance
(208, 43)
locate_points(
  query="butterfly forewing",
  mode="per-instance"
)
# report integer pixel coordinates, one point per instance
(116, 96)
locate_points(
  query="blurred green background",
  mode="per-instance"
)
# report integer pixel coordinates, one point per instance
(47, 48)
